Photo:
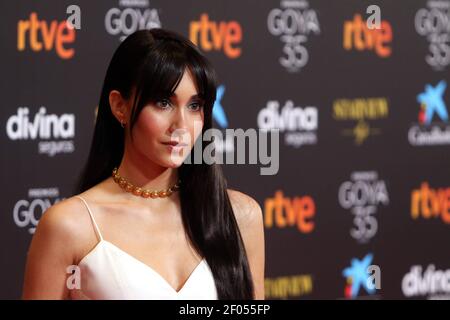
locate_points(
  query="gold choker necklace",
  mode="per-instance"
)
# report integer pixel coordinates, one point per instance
(129, 187)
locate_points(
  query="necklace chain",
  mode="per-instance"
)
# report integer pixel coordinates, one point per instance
(138, 191)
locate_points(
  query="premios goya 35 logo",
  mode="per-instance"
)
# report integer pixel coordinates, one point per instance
(293, 23)
(362, 195)
(28, 211)
(433, 23)
(130, 16)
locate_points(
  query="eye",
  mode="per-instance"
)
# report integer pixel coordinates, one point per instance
(196, 106)
(163, 104)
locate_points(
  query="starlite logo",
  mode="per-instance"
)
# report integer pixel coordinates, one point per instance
(362, 111)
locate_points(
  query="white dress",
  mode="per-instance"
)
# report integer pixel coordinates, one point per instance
(108, 272)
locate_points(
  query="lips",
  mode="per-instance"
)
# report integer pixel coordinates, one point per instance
(175, 144)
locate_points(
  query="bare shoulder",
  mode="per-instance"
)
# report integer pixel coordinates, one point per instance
(250, 220)
(57, 243)
(67, 223)
(246, 209)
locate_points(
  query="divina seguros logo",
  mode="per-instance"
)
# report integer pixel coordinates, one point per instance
(298, 124)
(54, 133)
(429, 282)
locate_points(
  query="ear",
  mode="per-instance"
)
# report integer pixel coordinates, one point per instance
(119, 106)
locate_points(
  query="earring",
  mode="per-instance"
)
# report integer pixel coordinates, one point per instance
(122, 124)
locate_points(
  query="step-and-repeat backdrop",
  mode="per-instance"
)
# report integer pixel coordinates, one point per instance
(360, 205)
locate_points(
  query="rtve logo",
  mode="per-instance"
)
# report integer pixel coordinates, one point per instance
(431, 203)
(283, 211)
(48, 36)
(357, 35)
(218, 36)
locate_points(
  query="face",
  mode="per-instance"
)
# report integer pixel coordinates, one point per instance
(163, 124)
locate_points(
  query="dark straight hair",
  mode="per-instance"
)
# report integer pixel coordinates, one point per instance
(153, 62)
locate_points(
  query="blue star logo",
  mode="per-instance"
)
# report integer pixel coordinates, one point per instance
(358, 274)
(433, 101)
(218, 112)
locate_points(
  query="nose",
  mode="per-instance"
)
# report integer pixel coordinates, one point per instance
(178, 126)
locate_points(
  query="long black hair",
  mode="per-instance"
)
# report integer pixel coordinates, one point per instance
(153, 63)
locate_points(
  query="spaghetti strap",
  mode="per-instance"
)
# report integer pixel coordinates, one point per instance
(97, 230)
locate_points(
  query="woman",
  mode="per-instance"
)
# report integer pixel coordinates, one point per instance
(147, 224)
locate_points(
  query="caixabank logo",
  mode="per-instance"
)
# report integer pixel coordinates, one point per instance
(361, 113)
(38, 35)
(219, 36)
(358, 36)
(297, 124)
(130, 16)
(293, 23)
(297, 212)
(54, 133)
(28, 210)
(431, 128)
(223, 143)
(431, 203)
(426, 283)
(363, 278)
(363, 195)
(433, 24)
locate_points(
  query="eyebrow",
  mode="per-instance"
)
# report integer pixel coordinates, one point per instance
(195, 96)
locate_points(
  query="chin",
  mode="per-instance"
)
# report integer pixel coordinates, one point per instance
(174, 163)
